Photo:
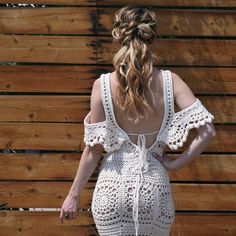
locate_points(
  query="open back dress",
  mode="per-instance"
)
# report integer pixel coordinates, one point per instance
(132, 195)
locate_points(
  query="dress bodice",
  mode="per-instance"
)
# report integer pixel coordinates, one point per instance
(174, 128)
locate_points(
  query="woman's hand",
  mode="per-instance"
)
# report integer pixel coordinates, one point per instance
(165, 160)
(69, 209)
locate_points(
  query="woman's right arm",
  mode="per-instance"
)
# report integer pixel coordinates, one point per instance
(184, 97)
(205, 135)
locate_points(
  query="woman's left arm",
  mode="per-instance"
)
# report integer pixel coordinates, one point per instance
(205, 135)
(88, 162)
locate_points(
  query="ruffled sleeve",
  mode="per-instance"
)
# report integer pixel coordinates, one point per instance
(102, 133)
(191, 117)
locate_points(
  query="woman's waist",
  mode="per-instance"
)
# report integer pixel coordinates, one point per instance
(120, 167)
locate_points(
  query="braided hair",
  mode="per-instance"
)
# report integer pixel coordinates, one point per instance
(134, 28)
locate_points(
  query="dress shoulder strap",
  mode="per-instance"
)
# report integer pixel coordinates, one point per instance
(168, 97)
(170, 91)
(106, 100)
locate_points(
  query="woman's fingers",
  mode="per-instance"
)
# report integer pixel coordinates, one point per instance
(158, 157)
(71, 215)
(68, 210)
(62, 215)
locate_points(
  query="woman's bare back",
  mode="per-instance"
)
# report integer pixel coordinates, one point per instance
(153, 122)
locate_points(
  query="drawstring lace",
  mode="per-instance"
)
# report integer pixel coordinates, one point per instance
(141, 168)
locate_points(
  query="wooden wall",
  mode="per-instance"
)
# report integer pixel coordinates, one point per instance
(49, 57)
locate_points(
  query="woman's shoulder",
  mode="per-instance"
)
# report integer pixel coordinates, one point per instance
(183, 94)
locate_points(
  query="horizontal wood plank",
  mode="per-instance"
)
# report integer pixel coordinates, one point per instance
(13, 222)
(56, 136)
(49, 79)
(74, 20)
(49, 108)
(167, 3)
(46, 166)
(197, 52)
(45, 223)
(40, 194)
(100, 50)
(207, 167)
(180, 22)
(57, 2)
(204, 225)
(67, 20)
(79, 79)
(53, 49)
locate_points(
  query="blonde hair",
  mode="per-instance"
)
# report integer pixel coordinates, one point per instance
(135, 29)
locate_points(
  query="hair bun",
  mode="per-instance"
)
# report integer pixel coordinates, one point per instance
(134, 23)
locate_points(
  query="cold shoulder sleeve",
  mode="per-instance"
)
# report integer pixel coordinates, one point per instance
(193, 116)
(102, 133)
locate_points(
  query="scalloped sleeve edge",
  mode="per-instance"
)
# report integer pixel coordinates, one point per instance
(101, 133)
(194, 116)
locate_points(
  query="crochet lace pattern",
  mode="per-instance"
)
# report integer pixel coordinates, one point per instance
(133, 194)
(191, 117)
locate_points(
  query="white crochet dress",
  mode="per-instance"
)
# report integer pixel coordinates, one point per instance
(133, 194)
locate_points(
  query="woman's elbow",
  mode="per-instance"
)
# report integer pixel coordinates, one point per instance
(207, 130)
(212, 130)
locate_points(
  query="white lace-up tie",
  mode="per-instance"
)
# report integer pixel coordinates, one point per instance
(141, 167)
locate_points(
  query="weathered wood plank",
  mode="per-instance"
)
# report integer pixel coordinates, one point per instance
(208, 80)
(204, 224)
(49, 108)
(180, 22)
(79, 79)
(44, 108)
(203, 3)
(49, 79)
(100, 50)
(45, 223)
(30, 223)
(55, 136)
(211, 167)
(53, 49)
(214, 197)
(181, 52)
(74, 20)
(55, 2)
(44, 166)
(67, 20)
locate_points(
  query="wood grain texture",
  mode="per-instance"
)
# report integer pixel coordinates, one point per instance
(50, 194)
(194, 52)
(14, 222)
(49, 79)
(91, 20)
(45, 223)
(71, 20)
(57, 136)
(51, 108)
(79, 79)
(180, 22)
(53, 49)
(63, 166)
(204, 224)
(56, 2)
(166, 3)
(100, 50)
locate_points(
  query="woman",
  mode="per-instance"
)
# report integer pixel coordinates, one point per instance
(132, 119)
